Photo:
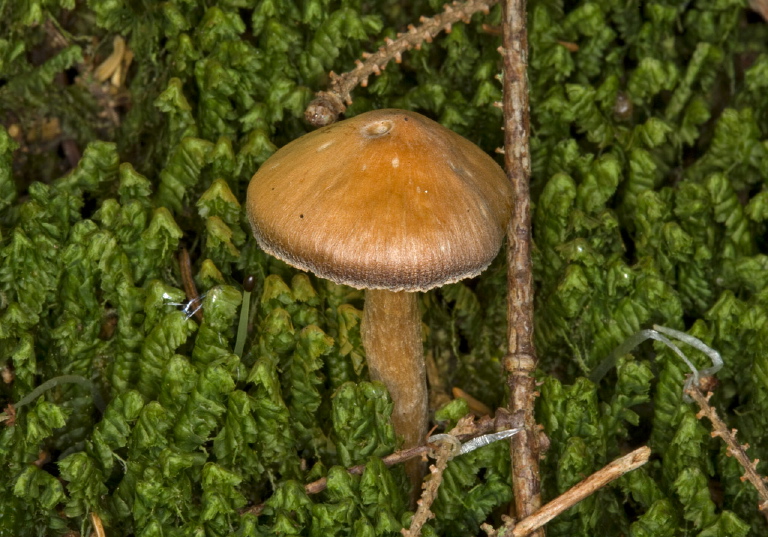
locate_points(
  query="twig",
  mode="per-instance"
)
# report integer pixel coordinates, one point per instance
(329, 105)
(698, 382)
(570, 47)
(98, 527)
(735, 449)
(443, 454)
(520, 363)
(574, 495)
(475, 405)
(465, 429)
(185, 267)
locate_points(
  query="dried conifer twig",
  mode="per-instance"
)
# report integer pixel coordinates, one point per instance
(735, 449)
(520, 363)
(329, 105)
(444, 453)
(572, 496)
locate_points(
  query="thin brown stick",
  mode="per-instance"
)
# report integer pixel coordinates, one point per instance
(475, 405)
(465, 429)
(190, 289)
(570, 47)
(520, 363)
(98, 527)
(320, 485)
(574, 495)
(329, 105)
(735, 449)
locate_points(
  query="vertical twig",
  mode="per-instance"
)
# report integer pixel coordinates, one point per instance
(423, 514)
(520, 363)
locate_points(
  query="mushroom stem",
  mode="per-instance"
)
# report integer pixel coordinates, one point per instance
(391, 332)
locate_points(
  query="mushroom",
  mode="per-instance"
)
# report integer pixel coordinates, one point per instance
(394, 203)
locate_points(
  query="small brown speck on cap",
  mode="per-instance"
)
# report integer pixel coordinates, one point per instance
(386, 200)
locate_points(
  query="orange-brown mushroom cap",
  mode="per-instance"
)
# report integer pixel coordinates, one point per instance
(388, 199)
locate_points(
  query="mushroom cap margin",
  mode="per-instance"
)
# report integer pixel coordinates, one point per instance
(388, 199)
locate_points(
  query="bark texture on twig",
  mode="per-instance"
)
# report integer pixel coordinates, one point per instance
(574, 495)
(735, 449)
(329, 105)
(520, 363)
(521, 360)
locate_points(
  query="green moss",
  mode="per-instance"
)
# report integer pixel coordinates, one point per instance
(650, 160)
